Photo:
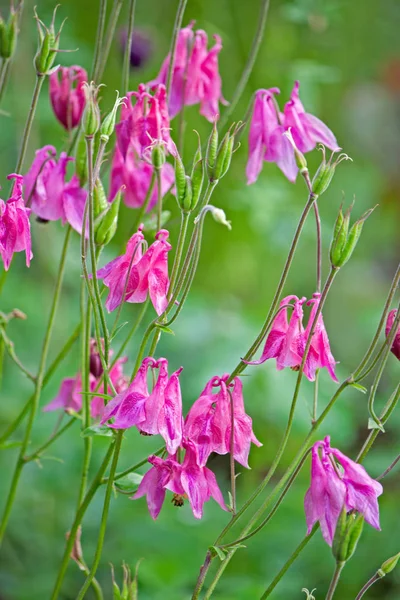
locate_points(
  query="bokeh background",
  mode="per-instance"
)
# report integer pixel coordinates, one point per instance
(347, 57)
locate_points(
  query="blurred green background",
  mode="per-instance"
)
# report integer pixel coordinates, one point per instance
(347, 57)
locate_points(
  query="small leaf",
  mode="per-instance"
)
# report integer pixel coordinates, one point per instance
(166, 329)
(128, 482)
(359, 387)
(216, 551)
(373, 425)
(97, 430)
(106, 396)
(7, 445)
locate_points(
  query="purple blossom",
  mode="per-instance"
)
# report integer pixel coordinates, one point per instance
(396, 342)
(338, 481)
(67, 95)
(15, 229)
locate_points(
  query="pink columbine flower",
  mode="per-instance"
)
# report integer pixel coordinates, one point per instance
(189, 480)
(49, 195)
(268, 124)
(287, 340)
(67, 95)
(15, 229)
(338, 481)
(196, 78)
(209, 423)
(133, 177)
(147, 273)
(396, 342)
(158, 412)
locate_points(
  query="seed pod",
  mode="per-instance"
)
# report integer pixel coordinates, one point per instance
(212, 150)
(180, 180)
(105, 229)
(224, 156)
(108, 124)
(197, 182)
(389, 564)
(48, 46)
(188, 196)
(81, 165)
(347, 533)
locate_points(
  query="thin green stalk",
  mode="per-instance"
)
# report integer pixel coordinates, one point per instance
(335, 580)
(11, 352)
(2, 350)
(369, 584)
(289, 562)
(390, 467)
(38, 388)
(159, 198)
(37, 453)
(177, 26)
(99, 38)
(29, 121)
(179, 250)
(315, 398)
(78, 519)
(128, 48)
(258, 37)
(104, 517)
(132, 332)
(134, 467)
(4, 72)
(145, 204)
(112, 24)
(232, 455)
(66, 348)
(319, 246)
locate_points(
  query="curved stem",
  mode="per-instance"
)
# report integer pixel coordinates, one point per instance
(179, 250)
(78, 519)
(9, 346)
(335, 580)
(86, 316)
(99, 38)
(369, 584)
(177, 26)
(259, 34)
(390, 467)
(128, 48)
(104, 517)
(109, 38)
(29, 121)
(38, 388)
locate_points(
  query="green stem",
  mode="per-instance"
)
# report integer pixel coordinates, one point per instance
(145, 204)
(109, 37)
(289, 562)
(29, 121)
(369, 584)
(315, 399)
(104, 517)
(37, 453)
(179, 250)
(159, 198)
(319, 246)
(335, 580)
(134, 467)
(78, 519)
(66, 348)
(128, 48)
(232, 455)
(132, 332)
(99, 38)
(11, 352)
(177, 26)
(258, 37)
(4, 72)
(38, 388)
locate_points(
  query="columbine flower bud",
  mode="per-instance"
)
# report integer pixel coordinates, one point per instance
(91, 115)
(345, 241)
(8, 34)
(326, 171)
(220, 216)
(158, 156)
(348, 531)
(212, 150)
(389, 565)
(197, 181)
(48, 45)
(396, 341)
(106, 226)
(108, 125)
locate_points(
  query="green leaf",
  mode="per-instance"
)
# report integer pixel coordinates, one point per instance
(128, 482)
(97, 430)
(373, 425)
(165, 329)
(216, 551)
(359, 387)
(106, 396)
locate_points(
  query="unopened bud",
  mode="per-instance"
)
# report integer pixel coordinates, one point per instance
(212, 150)
(224, 156)
(326, 171)
(8, 34)
(91, 114)
(220, 216)
(106, 226)
(345, 241)
(158, 156)
(81, 163)
(197, 182)
(348, 531)
(389, 565)
(49, 42)
(108, 124)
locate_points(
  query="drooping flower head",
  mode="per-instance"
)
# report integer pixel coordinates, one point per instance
(287, 339)
(15, 229)
(208, 424)
(338, 481)
(49, 195)
(186, 480)
(268, 124)
(396, 342)
(67, 95)
(158, 412)
(146, 273)
(195, 75)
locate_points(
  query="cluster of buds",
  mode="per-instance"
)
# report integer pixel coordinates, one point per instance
(9, 32)
(218, 158)
(326, 171)
(345, 241)
(189, 187)
(48, 47)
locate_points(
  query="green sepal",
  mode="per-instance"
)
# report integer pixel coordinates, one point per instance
(128, 482)
(97, 430)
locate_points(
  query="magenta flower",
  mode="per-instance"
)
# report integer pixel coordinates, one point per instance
(133, 177)
(396, 342)
(196, 78)
(319, 355)
(189, 480)
(148, 273)
(268, 124)
(158, 412)
(209, 424)
(15, 229)
(333, 487)
(49, 195)
(67, 95)
(69, 396)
